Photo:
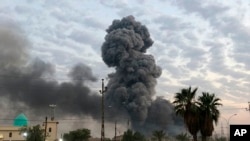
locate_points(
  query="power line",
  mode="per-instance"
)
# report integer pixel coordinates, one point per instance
(43, 78)
(40, 87)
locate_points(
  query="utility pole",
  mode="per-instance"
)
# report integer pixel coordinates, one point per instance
(45, 131)
(115, 131)
(104, 89)
(128, 125)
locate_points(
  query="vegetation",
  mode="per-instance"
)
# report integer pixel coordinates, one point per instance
(185, 106)
(129, 135)
(77, 135)
(182, 137)
(159, 135)
(34, 133)
(208, 104)
(198, 115)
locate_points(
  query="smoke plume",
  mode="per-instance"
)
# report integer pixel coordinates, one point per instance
(27, 83)
(13, 47)
(132, 86)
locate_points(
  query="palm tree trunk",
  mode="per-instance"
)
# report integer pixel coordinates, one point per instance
(195, 137)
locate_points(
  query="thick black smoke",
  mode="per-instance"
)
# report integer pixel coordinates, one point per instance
(132, 86)
(28, 84)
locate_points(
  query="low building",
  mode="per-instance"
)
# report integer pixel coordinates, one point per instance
(12, 132)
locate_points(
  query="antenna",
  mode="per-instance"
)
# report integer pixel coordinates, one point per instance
(52, 106)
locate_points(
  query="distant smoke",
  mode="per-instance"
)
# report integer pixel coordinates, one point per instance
(13, 47)
(132, 86)
(27, 83)
(81, 73)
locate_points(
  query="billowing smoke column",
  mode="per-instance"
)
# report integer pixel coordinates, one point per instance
(27, 84)
(132, 86)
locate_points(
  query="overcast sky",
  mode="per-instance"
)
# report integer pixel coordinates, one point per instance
(202, 44)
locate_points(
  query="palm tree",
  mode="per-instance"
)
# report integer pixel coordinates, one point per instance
(159, 135)
(186, 107)
(208, 104)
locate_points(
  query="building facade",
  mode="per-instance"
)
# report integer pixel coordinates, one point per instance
(13, 133)
(51, 129)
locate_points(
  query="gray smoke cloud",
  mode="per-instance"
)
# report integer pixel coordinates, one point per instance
(80, 73)
(27, 84)
(13, 47)
(132, 86)
(24, 82)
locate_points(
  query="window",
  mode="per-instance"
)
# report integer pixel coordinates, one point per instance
(10, 134)
(50, 129)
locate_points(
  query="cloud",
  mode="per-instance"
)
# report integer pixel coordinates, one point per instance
(94, 23)
(227, 41)
(85, 37)
(205, 9)
(168, 22)
(224, 24)
(114, 3)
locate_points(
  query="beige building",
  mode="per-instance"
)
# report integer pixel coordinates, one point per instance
(12, 132)
(51, 130)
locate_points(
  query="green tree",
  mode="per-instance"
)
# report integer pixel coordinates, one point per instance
(186, 107)
(77, 135)
(159, 135)
(34, 133)
(208, 106)
(129, 135)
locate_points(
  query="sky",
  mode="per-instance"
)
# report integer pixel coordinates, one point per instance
(197, 43)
